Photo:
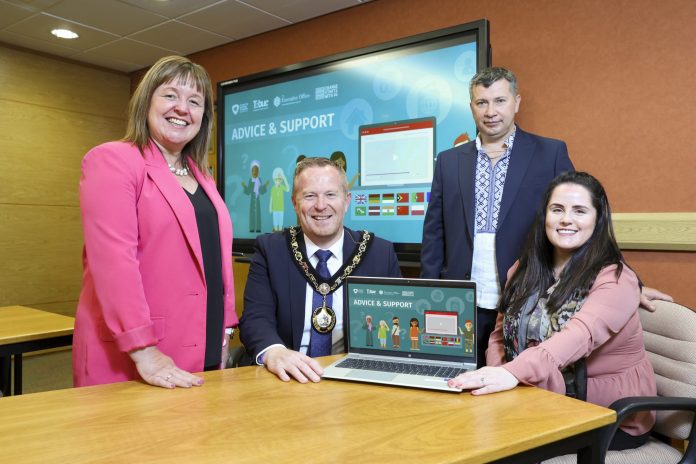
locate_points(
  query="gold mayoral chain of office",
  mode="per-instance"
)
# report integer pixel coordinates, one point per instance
(324, 317)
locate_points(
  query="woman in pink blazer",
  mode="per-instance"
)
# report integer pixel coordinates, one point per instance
(571, 296)
(157, 291)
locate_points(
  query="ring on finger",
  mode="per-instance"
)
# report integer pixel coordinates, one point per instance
(483, 381)
(169, 376)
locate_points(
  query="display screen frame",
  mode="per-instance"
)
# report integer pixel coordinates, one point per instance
(476, 31)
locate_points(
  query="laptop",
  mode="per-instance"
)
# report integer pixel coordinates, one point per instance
(407, 332)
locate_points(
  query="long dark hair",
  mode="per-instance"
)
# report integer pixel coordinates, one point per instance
(535, 271)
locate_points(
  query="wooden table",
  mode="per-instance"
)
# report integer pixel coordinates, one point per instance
(25, 329)
(248, 415)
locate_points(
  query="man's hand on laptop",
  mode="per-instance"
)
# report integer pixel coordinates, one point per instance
(287, 363)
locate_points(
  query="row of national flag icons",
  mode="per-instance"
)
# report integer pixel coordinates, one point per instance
(389, 198)
(399, 210)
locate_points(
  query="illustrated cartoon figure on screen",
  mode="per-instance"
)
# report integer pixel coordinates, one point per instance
(396, 332)
(368, 330)
(277, 204)
(339, 158)
(382, 333)
(255, 188)
(461, 139)
(413, 333)
(469, 336)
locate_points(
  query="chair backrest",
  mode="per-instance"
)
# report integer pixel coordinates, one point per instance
(670, 340)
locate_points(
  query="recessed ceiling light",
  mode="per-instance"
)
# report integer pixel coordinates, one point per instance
(64, 34)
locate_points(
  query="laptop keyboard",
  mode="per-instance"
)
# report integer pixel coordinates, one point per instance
(401, 368)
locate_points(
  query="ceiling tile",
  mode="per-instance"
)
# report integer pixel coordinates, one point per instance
(100, 59)
(11, 14)
(181, 37)
(234, 20)
(33, 5)
(300, 10)
(36, 44)
(130, 51)
(171, 8)
(132, 34)
(40, 26)
(110, 16)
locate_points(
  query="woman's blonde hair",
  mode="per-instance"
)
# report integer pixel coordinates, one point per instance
(182, 71)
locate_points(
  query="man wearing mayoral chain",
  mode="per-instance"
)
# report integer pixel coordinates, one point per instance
(293, 300)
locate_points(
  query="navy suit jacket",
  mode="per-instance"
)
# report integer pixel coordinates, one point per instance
(448, 230)
(274, 296)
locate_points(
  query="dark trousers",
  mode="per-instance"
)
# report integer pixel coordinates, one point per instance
(623, 440)
(485, 323)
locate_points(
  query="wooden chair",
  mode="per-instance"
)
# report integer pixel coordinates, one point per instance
(670, 340)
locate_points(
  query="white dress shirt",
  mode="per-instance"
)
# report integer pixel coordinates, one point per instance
(334, 263)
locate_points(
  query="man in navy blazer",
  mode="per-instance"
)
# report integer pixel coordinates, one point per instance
(276, 327)
(485, 195)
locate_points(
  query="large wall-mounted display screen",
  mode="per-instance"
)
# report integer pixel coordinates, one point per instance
(383, 113)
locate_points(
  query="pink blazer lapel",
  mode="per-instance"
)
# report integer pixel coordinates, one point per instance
(172, 191)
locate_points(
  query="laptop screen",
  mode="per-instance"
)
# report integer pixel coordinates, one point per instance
(411, 318)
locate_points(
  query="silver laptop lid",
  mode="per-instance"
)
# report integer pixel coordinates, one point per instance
(410, 318)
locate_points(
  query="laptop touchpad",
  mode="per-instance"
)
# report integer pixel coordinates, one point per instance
(371, 375)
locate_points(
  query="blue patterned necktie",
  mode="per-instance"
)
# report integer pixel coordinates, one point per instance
(320, 344)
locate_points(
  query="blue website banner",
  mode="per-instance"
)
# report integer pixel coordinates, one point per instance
(267, 128)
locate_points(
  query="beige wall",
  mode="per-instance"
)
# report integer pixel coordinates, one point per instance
(611, 78)
(52, 112)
